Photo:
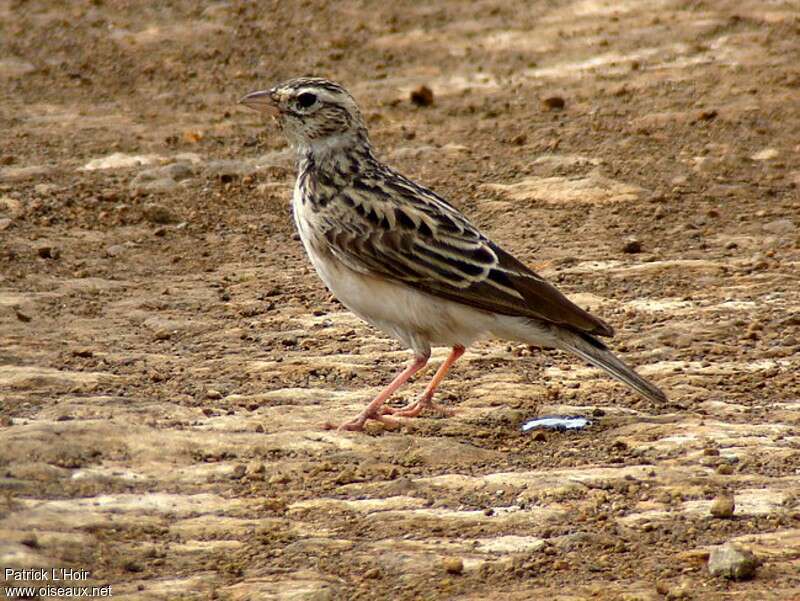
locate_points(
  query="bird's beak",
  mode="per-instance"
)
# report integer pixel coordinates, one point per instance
(262, 101)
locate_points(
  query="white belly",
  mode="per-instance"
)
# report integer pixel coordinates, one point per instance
(417, 319)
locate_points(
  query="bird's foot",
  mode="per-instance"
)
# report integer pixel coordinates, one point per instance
(419, 406)
(357, 424)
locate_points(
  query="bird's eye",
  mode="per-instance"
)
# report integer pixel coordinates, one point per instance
(306, 99)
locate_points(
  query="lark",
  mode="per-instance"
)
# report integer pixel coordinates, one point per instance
(408, 262)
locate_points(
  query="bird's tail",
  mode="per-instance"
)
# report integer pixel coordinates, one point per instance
(590, 349)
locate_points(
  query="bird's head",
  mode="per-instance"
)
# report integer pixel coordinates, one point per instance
(315, 114)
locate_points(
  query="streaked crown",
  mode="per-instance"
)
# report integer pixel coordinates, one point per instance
(313, 110)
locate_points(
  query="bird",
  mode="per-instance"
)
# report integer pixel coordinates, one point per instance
(405, 260)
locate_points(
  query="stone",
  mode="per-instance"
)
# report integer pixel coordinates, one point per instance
(163, 184)
(256, 469)
(162, 179)
(422, 96)
(115, 250)
(723, 507)
(732, 562)
(765, 155)
(453, 565)
(632, 246)
(15, 67)
(725, 469)
(278, 479)
(565, 161)
(178, 171)
(23, 317)
(157, 213)
(15, 174)
(590, 189)
(780, 227)
(119, 160)
(553, 103)
(230, 168)
(162, 334)
(640, 596)
(681, 590)
(12, 206)
(48, 251)
(174, 171)
(44, 189)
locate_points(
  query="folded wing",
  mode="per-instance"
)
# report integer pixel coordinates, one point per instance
(396, 229)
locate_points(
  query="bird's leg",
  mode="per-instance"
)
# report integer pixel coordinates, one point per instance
(375, 409)
(426, 400)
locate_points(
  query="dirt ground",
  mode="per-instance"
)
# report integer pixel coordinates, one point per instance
(167, 356)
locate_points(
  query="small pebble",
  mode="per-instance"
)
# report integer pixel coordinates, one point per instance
(682, 590)
(766, 154)
(48, 252)
(115, 250)
(780, 227)
(553, 103)
(162, 334)
(706, 115)
(164, 184)
(723, 507)
(159, 214)
(256, 468)
(632, 246)
(213, 394)
(278, 479)
(132, 566)
(732, 562)
(422, 96)
(372, 573)
(453, 565)
(192, 136)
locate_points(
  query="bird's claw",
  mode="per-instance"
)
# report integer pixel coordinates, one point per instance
(421, 405)
(357, 424)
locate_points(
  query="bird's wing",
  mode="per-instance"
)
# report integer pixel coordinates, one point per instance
(393, 228)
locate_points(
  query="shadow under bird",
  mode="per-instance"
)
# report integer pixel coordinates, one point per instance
(405, 260)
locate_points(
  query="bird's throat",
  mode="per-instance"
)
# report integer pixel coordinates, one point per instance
(336, 153)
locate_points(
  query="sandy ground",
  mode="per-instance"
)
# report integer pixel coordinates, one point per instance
(167, 357)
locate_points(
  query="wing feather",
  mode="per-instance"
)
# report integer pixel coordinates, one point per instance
(391, 227)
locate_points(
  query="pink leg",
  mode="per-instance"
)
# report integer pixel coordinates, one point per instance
(375, 409)
(426, 400)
